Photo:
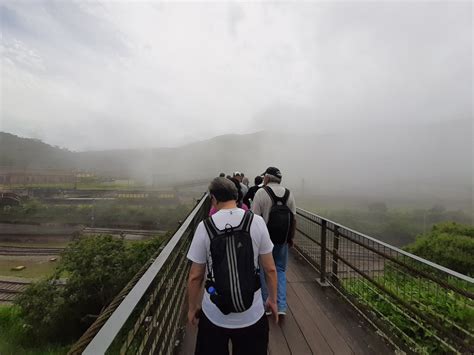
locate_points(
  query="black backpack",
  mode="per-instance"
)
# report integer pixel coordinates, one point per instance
(280, 219)
(232, 278)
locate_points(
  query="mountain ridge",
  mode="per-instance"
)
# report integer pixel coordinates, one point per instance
(432, 159)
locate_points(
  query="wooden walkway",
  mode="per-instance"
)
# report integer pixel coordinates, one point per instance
(318, 321)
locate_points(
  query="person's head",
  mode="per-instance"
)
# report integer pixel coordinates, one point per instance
(258, 180)
(238, 175)
(245, 181)
(272, 174)
(222, 175)
(222, 190)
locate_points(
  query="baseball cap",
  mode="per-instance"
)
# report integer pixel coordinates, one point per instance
(273, 171)
(237, 173)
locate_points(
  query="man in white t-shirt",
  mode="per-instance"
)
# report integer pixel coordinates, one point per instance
(247, 330)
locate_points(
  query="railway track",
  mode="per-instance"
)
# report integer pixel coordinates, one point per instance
(29, 251)
(9, 290)
(144, 232)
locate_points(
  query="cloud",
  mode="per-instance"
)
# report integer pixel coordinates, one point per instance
(129, 74)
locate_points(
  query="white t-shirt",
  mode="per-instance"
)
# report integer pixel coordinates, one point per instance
(199, 252)
(262, 202)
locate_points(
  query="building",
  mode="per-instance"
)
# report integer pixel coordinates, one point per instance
(17, 176)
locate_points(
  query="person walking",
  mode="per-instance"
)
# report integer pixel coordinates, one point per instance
(239, 176)
(277, 206)
(230, 251)
(248, 198)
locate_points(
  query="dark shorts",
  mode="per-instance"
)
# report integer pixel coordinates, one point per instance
(214, 340)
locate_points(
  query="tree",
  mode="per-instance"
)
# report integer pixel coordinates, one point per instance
(97, 268)
(448, 244)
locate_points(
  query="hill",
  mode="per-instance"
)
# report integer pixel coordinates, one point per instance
(421, 160)
(24, 153)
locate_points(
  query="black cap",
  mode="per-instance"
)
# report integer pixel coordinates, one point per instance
(273, 171)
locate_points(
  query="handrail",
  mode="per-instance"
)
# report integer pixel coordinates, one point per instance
(106, 335)
(401, 251)
(384, 282)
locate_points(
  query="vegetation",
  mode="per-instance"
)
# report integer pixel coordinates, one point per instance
(54, 312)
(32, 153)
(448, 244)
(99, 214)
(425, 296)
(396, 227)
(36, 267)
(12, 335)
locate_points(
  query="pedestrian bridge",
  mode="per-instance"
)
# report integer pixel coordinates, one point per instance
(348, 293)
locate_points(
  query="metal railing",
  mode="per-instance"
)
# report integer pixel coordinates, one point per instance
(429, 308)
(147, 315)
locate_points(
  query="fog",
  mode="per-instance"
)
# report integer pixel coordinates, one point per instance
(356, 98)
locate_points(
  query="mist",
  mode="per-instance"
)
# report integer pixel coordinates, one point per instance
(347, 99)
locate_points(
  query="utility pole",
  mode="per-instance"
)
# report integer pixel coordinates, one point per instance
(93, 213)
(424, 222)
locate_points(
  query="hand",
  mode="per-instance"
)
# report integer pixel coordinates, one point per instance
(291, 243)
(272, 306)
(193, 316)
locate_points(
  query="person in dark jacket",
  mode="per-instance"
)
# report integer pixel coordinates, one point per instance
(251, 193)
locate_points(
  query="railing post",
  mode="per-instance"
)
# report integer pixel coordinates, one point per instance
(322, 279)
(335, 256)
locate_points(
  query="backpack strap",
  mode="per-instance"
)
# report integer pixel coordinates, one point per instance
(214, 232)
(211, 228)
(274, 197)
(247, 221)
(285, 196)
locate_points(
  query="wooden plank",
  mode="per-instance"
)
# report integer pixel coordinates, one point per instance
(334, 339)
(301, 269)
(358, 334)
(308, 327)
(291, 276)
(277, 344)
(294, 337)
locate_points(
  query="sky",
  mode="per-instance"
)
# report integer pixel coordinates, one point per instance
(90, 75)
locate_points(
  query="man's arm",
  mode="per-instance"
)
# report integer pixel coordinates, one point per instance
(268, 264)
(195, 280)
(256, 205)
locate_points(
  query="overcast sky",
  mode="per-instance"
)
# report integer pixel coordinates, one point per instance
(90, 75)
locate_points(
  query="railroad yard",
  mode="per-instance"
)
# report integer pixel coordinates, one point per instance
(29, 253)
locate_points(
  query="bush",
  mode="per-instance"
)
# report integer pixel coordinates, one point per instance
(97, 268)
(448, 244)
(12, 334)
(423, 295)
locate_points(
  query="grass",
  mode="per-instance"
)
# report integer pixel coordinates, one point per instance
(454, 311)
(13, 340)
(36, 267)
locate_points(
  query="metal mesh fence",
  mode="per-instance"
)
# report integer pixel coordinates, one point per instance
(424, 307)
(148, 315)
